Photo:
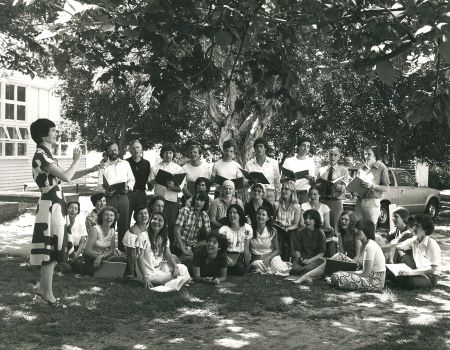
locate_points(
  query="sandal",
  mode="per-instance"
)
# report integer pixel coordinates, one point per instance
(39, 299)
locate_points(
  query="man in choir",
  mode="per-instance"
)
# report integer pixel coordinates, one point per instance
(141, 171)
(117, 171)
(334, 195)
(268, 166)
(301, 162)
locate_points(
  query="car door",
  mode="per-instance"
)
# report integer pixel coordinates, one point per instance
(392, 193)
(409, 196)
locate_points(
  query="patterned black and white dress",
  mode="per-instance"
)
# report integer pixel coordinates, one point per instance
(50, 228)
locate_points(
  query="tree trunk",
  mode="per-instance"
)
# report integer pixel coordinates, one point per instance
(243, 127)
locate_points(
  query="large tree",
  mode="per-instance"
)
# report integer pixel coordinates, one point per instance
(239, 63)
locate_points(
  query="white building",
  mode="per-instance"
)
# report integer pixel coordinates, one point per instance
(22, 101)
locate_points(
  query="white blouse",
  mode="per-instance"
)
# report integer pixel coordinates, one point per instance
(262, 244)
(237, 238)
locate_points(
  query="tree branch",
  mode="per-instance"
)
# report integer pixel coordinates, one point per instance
(438, 64)
(358, 64)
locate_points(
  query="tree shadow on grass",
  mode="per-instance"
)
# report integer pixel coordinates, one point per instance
(258, 312)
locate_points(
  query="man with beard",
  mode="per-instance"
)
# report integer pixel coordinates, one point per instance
(141, 170)
(116, 179)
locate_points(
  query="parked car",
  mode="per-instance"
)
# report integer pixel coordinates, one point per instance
(403, 191)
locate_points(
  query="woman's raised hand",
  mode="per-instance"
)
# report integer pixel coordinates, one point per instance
(76, 154)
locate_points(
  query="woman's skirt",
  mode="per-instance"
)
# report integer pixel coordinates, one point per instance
(351, 281)
(50, 241)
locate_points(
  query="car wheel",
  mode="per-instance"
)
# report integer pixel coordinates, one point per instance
(383, 220)
(432, 208)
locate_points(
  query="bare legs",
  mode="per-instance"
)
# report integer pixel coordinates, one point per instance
(46, 283)
(309, 276)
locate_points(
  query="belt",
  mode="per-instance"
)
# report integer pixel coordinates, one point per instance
(138, 191)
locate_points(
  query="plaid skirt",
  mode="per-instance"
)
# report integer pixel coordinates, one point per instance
(351, 281)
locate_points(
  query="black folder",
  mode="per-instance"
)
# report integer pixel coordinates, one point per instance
(238, 183)
(163, 176)
(255, 176)
(355, 187)
(289, 175)
(120, 186)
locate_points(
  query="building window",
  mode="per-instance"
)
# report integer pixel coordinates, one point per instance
(21, 149)
(13, 133)
(9, 111)
(21, 94)
(24, 133)
(20, 112)
(3, 134)
(15, 102)
(9, 92)
(9, 149)
(14, 143)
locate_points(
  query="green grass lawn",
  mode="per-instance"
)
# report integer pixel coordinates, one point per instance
(261, 312)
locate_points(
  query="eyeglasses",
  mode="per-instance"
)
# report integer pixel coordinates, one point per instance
(344, 220)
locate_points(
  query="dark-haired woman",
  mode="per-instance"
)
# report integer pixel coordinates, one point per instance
(308, 244)
(265, 254)
(98, 200)
(154, 259)
(257, 201)
(76, 228)
(210, 261)
(50, 225)
(202, 184)
(238, 233)
(100, 244)
(192, 228)
(171, 190)
(426, 257)
(375, 177)
(135, 238)
(371, 259)
(349, 246)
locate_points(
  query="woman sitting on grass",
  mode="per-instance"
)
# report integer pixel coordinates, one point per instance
(238, 233)
(349, 246)
(426, 257)
(191, 228)
(322, 209)
(219, 206)
(371, 277)
(308, 244)
(401, 233)
(76, 228)
(210, 261)
(202, 184)
(288, 218)
(135, 238)
(154, 260)
(256, 201)
(99, 202)
(265, 254)
(101, 240)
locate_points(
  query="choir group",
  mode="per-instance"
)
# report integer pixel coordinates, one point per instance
(286, 220)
